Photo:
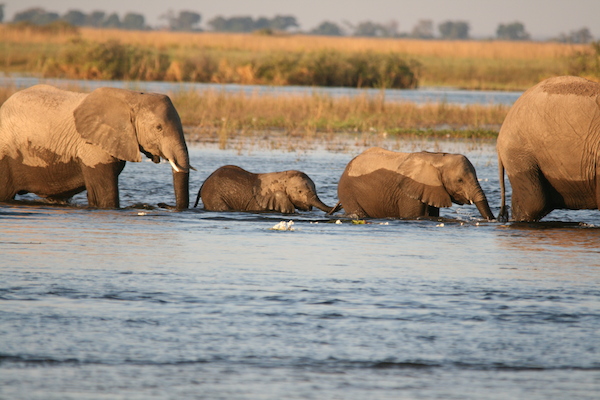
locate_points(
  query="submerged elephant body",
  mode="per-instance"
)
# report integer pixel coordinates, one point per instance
(231, 188)
(384, 184)
(56, 143)
(549, 145)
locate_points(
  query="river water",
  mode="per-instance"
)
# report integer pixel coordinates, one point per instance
(419, 96)
(153, 304)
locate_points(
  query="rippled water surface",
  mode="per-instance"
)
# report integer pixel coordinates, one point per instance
(151, 303)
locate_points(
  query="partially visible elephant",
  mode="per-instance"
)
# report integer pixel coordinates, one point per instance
(379, 183)
(231, 188)
(57, 143)
(549, 145)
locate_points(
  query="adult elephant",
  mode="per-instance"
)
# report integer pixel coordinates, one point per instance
(231, 188)
(57, 143)
(549, 145)
(379, 183)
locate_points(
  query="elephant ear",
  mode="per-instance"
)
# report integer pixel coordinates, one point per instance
(104, 119)
(420, 180)
(273, 200)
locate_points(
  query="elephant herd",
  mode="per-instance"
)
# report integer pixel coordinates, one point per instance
(56, 143)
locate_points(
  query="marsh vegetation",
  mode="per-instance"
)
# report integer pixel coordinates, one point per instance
(87, 53)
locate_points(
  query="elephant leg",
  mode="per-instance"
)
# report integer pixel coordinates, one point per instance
(530, 196)
(7, 190)
(431, 211)
(102, 184)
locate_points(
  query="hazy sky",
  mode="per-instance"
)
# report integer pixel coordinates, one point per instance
(542, 18)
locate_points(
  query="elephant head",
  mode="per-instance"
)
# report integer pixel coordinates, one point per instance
(286, 191)
(124, 122)
(302, 193)
(440, 179)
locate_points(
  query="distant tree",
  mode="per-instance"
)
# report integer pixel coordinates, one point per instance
(75, 18)
(95, 18)
(454, 30)
(112, 21)
(247, 24)
(133, 21)
(371, 29)
(327, 28)
(512, 31)
(233, 24)
(423, 29)
(262, 23)
(217, 24)
(283, 22)
(581, 36)
(1, 12)
(185, 21)
(37, 16)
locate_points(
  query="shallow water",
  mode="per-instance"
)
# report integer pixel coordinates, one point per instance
(419, 96)
(143, 304)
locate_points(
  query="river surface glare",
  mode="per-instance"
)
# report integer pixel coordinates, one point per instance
(153, 304)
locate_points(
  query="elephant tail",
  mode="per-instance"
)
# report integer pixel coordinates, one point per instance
(198, 197)
(503, 215)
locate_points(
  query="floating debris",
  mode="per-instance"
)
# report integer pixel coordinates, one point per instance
(338, 222)
(440, 225)
(141, 213)
(284, 226)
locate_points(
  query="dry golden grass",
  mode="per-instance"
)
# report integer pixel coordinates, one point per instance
(428, 48)
(228, 115)
(499, 65)
(248, 42)
(225, 118)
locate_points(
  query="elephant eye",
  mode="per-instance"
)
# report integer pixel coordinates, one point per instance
(159, 127)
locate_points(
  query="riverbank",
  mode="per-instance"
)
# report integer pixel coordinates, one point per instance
(224, 116)
(215, 115)
(285, 59)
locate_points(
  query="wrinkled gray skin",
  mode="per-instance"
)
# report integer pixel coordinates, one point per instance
(385, 184)
(549, 145)
(231, 188)
(57, 143)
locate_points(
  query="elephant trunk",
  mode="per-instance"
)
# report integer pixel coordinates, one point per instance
(175, 151)
(181, 186)
(484, 209)
(316, 202)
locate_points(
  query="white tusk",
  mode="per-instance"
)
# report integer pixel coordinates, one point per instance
(175, 167)
(471, 201)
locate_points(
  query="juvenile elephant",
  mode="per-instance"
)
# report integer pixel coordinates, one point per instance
(231, 188)
(385, 184)
(56, 143)
(549, 145)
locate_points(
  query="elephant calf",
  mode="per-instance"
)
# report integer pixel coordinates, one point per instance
(385, 184)
(231, 188)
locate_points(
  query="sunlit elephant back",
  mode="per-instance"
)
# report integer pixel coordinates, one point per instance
(56, 143)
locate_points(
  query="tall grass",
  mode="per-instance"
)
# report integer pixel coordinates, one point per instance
(221, 117)
(220, 114)
(246, 58)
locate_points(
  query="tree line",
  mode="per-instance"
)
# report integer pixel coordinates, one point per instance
(189, 21)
